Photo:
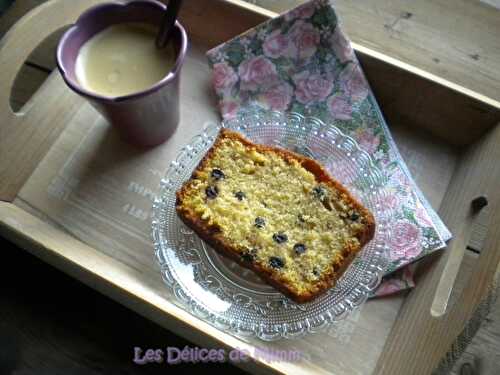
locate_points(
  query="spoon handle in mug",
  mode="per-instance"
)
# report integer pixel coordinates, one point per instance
(168, 22)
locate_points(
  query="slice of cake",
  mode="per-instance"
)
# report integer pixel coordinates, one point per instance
(275, 212)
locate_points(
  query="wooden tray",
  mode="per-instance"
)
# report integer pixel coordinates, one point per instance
(76, 196)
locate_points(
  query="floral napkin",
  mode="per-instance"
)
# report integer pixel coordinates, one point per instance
(302, 62)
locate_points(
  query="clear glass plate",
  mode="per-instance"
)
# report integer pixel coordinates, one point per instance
(233, 298)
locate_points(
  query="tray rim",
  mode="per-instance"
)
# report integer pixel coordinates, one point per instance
(23, 231)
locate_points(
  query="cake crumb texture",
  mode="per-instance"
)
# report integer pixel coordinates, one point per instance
(275, 212)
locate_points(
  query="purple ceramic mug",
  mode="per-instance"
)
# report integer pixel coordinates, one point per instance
(145, 118)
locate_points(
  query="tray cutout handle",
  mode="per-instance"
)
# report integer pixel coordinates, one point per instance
(26, 137)
(452, 270)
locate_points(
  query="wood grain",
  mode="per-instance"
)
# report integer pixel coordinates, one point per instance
(483, 351)
(86, 204)
(430, 160)
(14, 12)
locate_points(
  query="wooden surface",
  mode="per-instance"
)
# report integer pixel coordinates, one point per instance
(93, 194)
(50, 324)
(484, 349)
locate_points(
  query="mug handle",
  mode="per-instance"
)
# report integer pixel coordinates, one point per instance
(26, 137)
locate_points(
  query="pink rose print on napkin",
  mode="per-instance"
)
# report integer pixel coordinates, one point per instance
(229, 108)
(257, 72)
(276, 44)
(339, 107)
(341, 46)
(305, 38)
(223, 77)
(390, 201)
(404, 241)
(390, 286)
(422, 216)
(278, 97)
(400, 280)
(367, 140)
(302, 11)
(353, 83)
(311, 87)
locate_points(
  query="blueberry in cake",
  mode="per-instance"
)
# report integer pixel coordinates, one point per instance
(275, 212)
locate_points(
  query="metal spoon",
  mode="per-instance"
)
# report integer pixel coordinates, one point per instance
(168, 22)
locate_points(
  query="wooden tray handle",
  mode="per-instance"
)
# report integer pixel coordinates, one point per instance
(426, 320)
(26, 137)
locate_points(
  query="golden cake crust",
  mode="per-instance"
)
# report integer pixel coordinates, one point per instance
(215, 238)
